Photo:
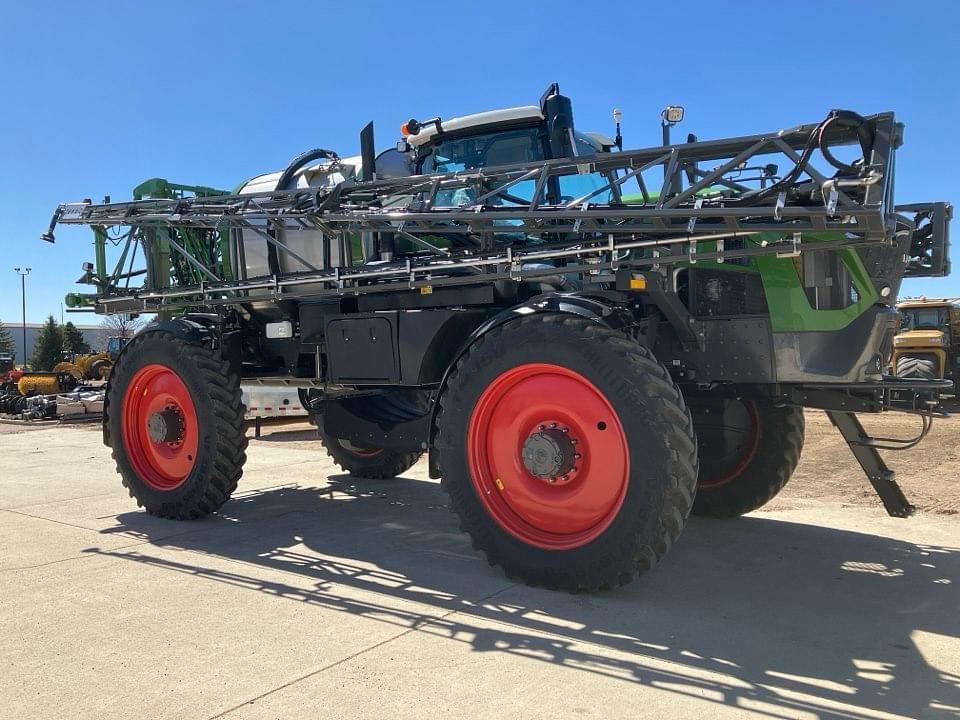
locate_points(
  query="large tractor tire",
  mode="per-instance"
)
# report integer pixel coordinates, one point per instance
(174, 418)
(748, 450)
(912, 367)
(567, 452)
(373, 462)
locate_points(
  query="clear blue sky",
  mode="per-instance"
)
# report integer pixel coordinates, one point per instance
(96, 98)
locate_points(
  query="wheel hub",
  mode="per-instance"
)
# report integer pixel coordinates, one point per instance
(165, 426)
(550, 453)
(560, 413)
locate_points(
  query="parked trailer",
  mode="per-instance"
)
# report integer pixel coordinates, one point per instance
(588, 342)
(260, 401)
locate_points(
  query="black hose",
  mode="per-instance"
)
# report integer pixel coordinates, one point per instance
(817, 139)
(300, 160)
(851, 120)
(801, 165)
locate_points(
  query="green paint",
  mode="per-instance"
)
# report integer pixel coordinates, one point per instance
(790, 311)
(100, 251)
(160, 188)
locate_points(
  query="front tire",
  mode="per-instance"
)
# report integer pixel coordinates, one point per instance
(748, 450)
(567, 452)
(174, 416)
(913, 367)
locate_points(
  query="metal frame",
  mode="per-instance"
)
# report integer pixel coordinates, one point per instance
(582, 236)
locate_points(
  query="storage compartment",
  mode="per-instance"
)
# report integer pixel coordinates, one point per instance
(362, 350)
(403, 347)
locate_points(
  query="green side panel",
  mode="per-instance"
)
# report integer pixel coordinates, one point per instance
(790, 311)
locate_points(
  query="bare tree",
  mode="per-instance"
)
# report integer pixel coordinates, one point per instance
(122, 325)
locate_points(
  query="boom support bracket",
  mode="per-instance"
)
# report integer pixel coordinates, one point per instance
(881, 477)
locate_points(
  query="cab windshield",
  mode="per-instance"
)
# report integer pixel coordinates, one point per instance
(924, 319)
(487, 150)
(507, 147)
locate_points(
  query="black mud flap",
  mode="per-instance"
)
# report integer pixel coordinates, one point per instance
(408, 435)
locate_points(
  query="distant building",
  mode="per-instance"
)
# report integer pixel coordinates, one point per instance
(95, 336)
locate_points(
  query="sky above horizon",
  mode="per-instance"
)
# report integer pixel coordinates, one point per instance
(99, 97)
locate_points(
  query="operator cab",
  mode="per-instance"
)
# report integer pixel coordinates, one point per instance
(512, 136)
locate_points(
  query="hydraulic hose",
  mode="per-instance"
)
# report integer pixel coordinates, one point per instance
(300, 160)
(817, 139)
(851, 120)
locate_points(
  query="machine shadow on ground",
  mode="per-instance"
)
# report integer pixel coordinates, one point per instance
(754, 613)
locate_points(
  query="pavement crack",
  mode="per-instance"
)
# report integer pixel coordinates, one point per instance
(348, 658)
(57, 502)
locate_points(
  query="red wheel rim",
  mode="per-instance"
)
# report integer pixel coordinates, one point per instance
(749, 451)
(357, 450)
(162, 463)
(558, 513)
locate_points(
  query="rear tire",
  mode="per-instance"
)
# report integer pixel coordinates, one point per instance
(748, 450)
(567, 452)
(174, 418)
(912, 367)
(372, 462)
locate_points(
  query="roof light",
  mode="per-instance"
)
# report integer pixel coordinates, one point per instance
(672, 114)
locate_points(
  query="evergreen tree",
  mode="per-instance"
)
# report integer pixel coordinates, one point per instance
(73, 340)
(6, 340)
(49, 347)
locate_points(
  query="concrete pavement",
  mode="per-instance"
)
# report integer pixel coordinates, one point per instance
(316, 595)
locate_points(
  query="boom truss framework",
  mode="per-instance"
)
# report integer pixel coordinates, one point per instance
(492, 234)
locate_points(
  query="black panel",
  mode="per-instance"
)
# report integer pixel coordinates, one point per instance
(314, 316)
(363, 350)
(440, 297)
(851, 354)
(403, 436)
(430, 341)
(730, 350)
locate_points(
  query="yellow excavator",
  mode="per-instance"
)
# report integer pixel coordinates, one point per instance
(928, 344)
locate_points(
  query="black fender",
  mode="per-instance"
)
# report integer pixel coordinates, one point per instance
(604, 309)
(189, 328)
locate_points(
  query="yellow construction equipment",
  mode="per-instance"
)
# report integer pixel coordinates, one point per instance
(95, 366)
(928, 344)
(39, 383)
(69, 368)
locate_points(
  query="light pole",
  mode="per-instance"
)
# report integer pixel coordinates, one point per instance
(23, 299)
